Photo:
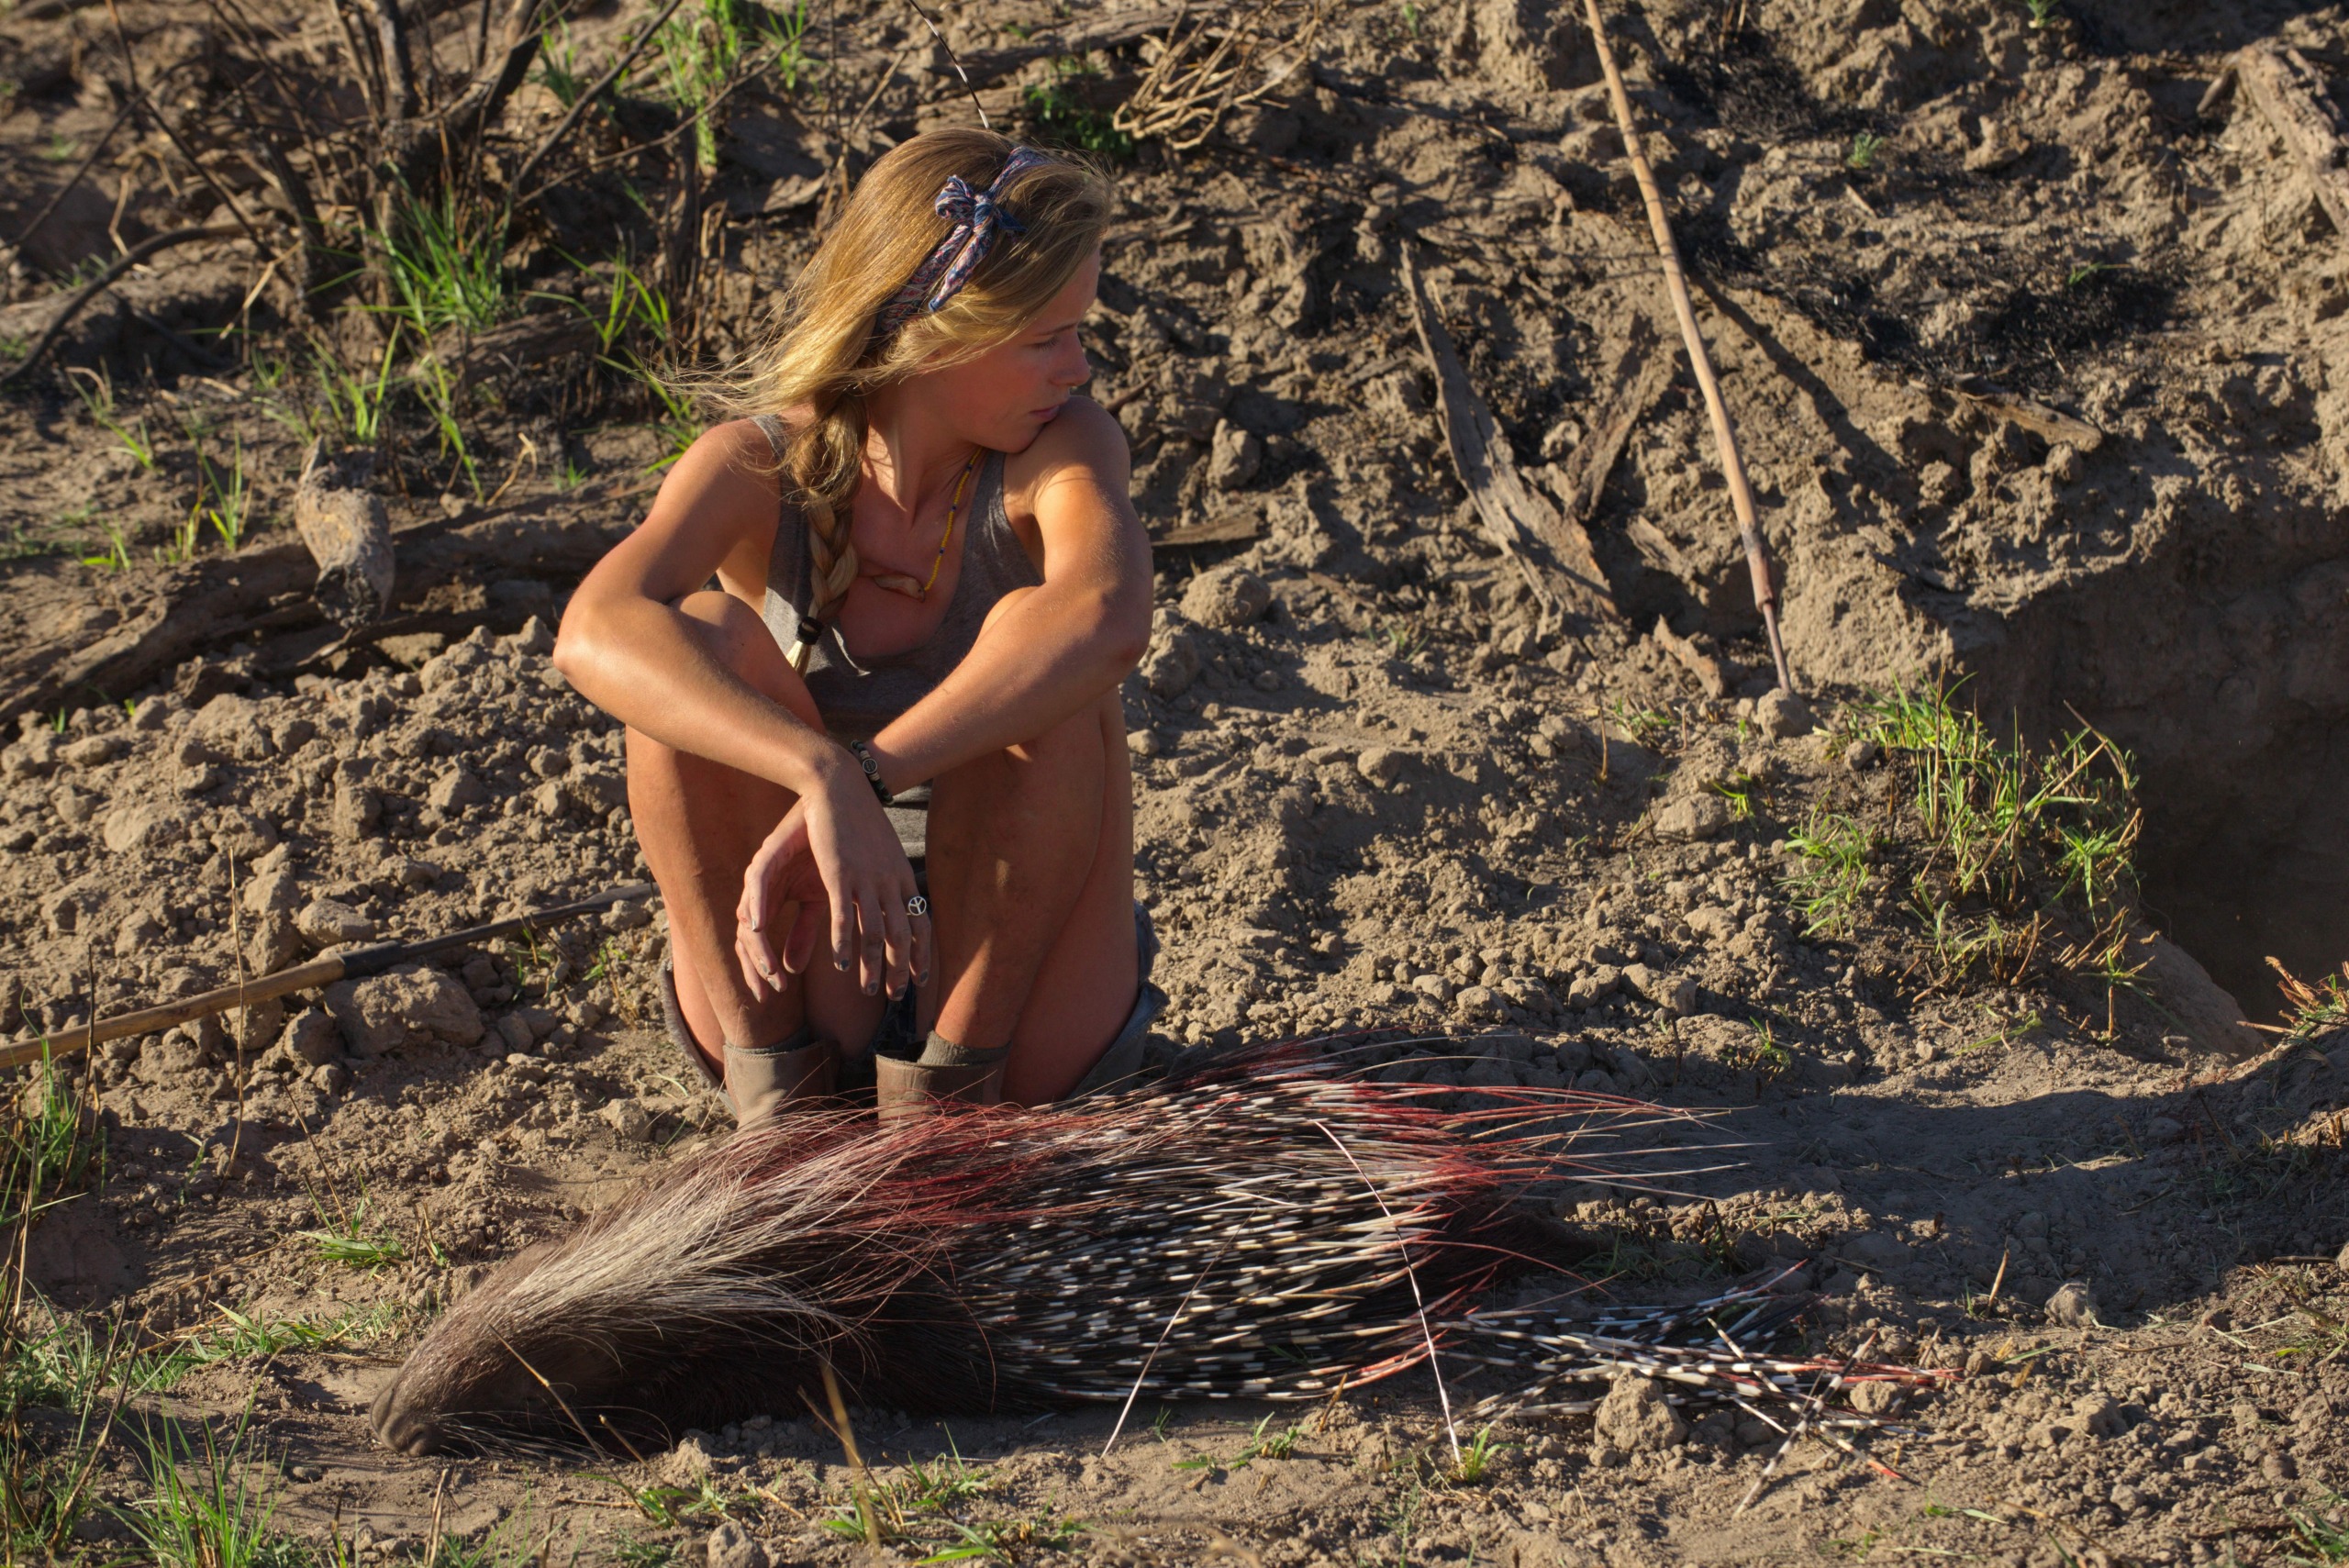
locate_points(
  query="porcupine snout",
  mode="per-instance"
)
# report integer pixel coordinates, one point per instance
(400, 1424)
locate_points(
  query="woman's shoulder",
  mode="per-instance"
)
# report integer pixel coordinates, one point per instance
(1083, 436)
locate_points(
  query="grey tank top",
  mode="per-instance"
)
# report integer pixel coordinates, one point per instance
(857, 698)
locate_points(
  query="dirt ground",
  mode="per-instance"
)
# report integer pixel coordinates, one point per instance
(2032, 355)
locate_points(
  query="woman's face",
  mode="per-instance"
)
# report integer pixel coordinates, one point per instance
(1003, 398)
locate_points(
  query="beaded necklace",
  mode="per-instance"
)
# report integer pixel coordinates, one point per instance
(898, 582)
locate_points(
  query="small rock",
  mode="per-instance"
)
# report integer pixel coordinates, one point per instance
(272, 891)
(2127, 1500)
(1226, 597)
(231, 725)
(1480, 1002)
(412, 1003)
(143, 825)
(2098, 1415)
(331, 1079)
(311, 1038)
(516, 1032)
(1693, 816)
(1876, 1399)
(2073, 1306)
(139, 934)
(533, 638)
(327, 923)
(1382, 765)
(356, 809)
(274, 943)
(1781, 714)
(1171, 665)
(95, 750)
(75, 805)
(242, 836)
(1596, 986)
(1861, 755)
(1434, 987)
(627, 1119)
(1142, 742)
(1607, 1456)
(731, 1546)
(455, 790)
(1636, 1418)
(1234, 458)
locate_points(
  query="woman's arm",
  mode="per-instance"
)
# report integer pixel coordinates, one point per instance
(629, 652)
(1063, 645)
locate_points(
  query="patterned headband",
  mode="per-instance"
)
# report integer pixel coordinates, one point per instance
(977, 219)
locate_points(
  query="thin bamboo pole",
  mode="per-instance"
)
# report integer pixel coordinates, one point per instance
(1741, 494)
(373, 959)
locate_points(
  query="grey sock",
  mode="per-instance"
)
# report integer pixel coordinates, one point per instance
(940, 1051)
(803, 1036)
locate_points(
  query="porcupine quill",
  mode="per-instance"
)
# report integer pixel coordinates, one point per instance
(1252, 1229)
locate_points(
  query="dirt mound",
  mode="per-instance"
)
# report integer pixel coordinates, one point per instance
(2028, 352)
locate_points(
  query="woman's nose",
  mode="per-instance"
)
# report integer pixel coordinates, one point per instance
(1074, 369)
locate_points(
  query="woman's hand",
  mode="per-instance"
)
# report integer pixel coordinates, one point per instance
(834, 849)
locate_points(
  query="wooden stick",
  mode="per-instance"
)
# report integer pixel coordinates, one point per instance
(1741, 494)
(2291, 95)
(596, 90)
(106, 280)
(1517, 519)
(373, 959)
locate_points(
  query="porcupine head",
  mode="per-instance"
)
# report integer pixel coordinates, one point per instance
(718, 1289)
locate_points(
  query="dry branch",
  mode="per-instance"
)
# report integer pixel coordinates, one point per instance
(1516, 518)
(2287, 91)
(1639, 378)
(1741, 494)
(264, 591)
(596, 90)
(355, 964)
(1192, 83)
(151, 246)
(24, 236)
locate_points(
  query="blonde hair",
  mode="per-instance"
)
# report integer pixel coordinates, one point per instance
(830, 353)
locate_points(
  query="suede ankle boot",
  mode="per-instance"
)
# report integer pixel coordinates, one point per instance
(945, 1070)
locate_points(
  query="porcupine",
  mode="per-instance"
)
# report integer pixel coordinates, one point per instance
(1269, 1224)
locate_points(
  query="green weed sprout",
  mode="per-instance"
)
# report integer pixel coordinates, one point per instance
(1059, 109)
(1865, 146)
(1830, 852)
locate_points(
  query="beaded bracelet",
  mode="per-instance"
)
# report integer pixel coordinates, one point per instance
(872, 766)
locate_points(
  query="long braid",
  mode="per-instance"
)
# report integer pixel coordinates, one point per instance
(822, 467)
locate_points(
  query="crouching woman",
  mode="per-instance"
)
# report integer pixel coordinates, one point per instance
(927, 572)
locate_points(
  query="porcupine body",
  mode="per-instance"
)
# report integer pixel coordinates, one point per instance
(1266, 1227)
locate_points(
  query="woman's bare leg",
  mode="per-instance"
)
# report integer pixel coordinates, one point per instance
(698, 824)
(1031, 886)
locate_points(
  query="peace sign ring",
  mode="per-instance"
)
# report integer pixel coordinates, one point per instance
(917, 907)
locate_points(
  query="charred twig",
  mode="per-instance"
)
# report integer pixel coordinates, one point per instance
(954, 60)
(1741, 494)
(362, 61)
(106, 280)
(391, 48)
(81, 169)
(596, 90)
